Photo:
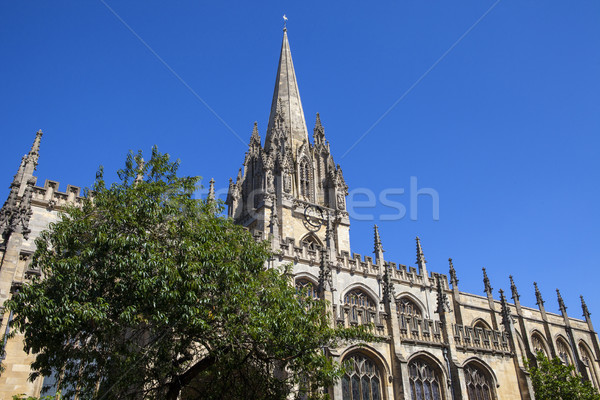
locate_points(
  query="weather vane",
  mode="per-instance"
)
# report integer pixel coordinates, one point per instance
(284, 22)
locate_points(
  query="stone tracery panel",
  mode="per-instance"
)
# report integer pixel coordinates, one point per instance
(362, 380)
(425, 380)
(478, 382)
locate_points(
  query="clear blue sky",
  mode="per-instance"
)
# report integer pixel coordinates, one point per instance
(505, 127)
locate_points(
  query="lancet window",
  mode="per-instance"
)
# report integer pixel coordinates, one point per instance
(305, 176)
(478, 383)
(362, 381)
(424, 380)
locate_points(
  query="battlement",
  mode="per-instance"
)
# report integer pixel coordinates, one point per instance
(49, 195)
(311, 254)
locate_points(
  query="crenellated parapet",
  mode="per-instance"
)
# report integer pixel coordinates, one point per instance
(50, 196)
(309, 254)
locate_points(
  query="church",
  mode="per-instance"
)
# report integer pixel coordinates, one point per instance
(438, 343)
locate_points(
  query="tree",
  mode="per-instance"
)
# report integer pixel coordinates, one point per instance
(150, 293)
(552, 380)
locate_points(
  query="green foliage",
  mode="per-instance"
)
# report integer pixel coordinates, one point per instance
(149, 293)
(25, 397)
(552, 380)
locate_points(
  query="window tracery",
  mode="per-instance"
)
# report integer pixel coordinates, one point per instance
(362, 380)
(588, 362)
(359, 298)
(311, 242)
(424, 380)
(564, 351)
(538, 344)
(479, 385)
(405, 305)
(306, 287)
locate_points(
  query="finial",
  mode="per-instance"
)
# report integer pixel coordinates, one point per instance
(378, 246)
(318, 121)
(453, 278)
(586, 312)
(255, 137)
(35, 148)
(285, 23)
(538, 295)
(561, 303)
(211, 190)
(513, 289)
(442, 299)
(420, 255)
(486, 282)
(506, 317)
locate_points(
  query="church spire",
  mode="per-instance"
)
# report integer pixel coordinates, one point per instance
(286, 103)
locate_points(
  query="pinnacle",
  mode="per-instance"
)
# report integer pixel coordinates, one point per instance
(255, 137)
(486, 282)
(453, 278)
(538, 295)
(420, 255)
(378, 246)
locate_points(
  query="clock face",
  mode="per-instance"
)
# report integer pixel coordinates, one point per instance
(313, 218)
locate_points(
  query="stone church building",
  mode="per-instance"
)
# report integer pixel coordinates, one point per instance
(438, 343)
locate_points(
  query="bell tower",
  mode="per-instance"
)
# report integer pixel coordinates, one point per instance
(290, 187)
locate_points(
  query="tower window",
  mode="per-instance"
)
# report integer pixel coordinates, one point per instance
(305, 179)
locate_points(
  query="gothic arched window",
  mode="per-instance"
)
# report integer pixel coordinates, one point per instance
(424, 380)
(539, 344)
(305, 176)
(479, 386)
(362, 380)
(311, 242)
(359, 298)
(406, 306)
(588, 362)
(564, 351)
(306, 287)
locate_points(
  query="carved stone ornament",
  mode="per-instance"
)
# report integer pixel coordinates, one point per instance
(287, 182)
(340, 201)
(270, 182)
